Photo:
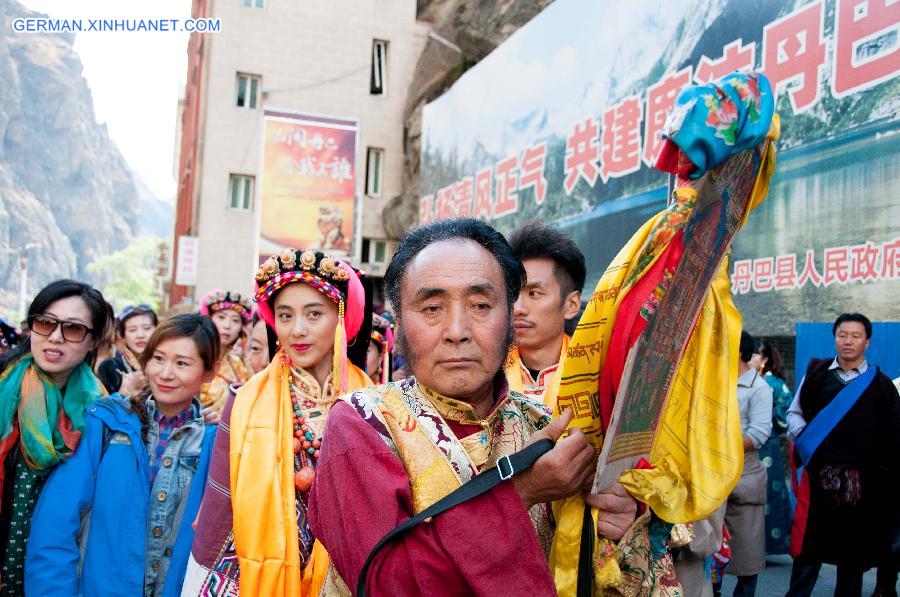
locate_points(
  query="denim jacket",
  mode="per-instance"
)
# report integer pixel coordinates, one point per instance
(100, 528)
(177, 467)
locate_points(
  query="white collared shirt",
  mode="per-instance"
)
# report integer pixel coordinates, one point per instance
(795, 421)
(535, 389)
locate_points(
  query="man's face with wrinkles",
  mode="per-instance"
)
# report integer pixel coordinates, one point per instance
(455, 321)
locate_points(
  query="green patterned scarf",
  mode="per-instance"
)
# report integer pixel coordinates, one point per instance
(49, 424)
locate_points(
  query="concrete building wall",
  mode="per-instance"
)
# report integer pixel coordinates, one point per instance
(313, 57)
(189, 152)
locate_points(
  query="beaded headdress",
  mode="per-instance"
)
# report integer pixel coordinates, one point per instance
(224, 300)
(330, 276)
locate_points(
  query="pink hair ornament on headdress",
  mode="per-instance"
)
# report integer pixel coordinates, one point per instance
(390, 339)
(349, 323)
(356, 303)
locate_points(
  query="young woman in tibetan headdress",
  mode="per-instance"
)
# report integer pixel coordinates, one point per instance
(46, 383)
(381, 345)
(253, 527)
(230, 312)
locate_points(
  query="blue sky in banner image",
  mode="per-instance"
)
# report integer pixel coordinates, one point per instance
(573, 60)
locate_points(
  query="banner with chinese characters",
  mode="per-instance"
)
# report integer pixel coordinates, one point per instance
(562, 123)
(308, 186)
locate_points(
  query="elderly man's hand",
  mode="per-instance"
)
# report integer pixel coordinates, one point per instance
(563, 471)
(617, 511)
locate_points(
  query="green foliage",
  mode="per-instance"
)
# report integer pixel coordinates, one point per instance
(127, 277)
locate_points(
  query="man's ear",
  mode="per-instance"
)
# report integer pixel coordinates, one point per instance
(572, 304)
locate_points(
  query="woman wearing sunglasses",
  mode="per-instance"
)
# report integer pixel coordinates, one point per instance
(115, 519)
(230, 312)
(45, 386)
(133, 327)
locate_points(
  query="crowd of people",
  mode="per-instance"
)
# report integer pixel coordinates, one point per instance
(302, 442)
(167, 468)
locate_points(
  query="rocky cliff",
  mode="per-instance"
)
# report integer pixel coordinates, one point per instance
(63, 183)
(463, 32)
(156, 215)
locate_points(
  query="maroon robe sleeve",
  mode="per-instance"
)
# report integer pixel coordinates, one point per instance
(214, 521)
(486, 546)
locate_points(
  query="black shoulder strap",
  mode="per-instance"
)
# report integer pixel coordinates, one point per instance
(585, 584)
(507, 467)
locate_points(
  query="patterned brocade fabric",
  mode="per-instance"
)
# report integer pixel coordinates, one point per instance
(418, 425)
(645, 560)
(414, 422)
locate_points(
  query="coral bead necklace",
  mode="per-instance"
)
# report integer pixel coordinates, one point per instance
(306, 444)
(306, 451)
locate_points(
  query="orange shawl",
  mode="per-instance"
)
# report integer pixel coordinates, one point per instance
(262, 487)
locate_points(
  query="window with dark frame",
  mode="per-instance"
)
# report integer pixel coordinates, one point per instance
(378, 80)
(374, 251)
(365, 250)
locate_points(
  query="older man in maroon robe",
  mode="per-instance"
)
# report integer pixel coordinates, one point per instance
(391, 451)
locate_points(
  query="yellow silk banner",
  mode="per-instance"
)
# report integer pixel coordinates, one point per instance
(696, 452)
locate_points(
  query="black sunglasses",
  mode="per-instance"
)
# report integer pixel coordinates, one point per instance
(45, 325)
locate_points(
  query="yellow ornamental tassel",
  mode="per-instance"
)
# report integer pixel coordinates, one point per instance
(339, 360)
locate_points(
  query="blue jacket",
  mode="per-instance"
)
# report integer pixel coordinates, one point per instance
(100, 528)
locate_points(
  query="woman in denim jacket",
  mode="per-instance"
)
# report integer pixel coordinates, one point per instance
(115, 519)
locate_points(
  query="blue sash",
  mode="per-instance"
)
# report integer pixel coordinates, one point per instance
(828, 418)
